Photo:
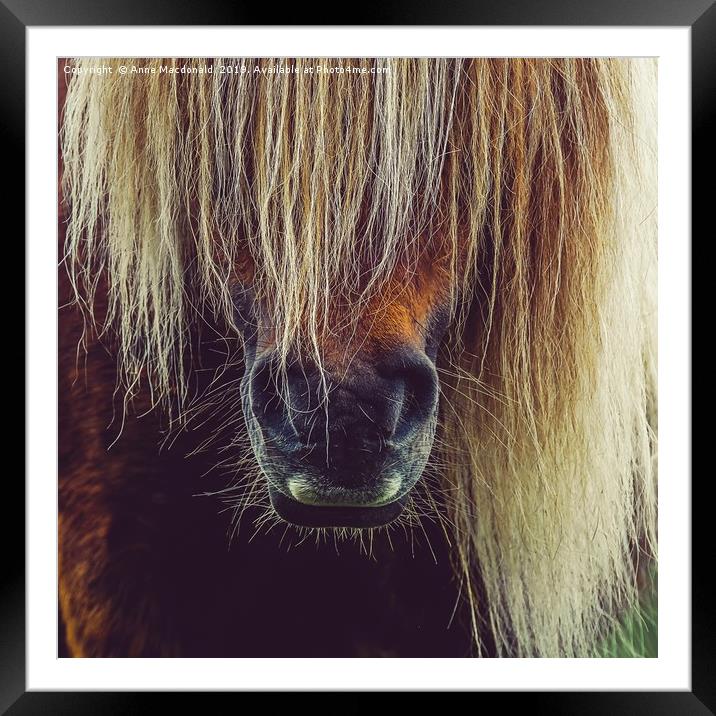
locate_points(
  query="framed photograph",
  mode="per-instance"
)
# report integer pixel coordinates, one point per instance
(352, 354)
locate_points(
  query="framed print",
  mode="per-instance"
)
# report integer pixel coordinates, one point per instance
(350, 373)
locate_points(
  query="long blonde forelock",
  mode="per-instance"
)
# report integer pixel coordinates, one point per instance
(538, 176)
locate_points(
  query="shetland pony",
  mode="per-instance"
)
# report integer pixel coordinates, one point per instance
(396, 315)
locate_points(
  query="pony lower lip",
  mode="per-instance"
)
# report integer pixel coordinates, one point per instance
(303, 515)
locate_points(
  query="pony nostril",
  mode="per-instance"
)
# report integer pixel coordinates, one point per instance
(413, 374)
(263, 386)
(268, 397)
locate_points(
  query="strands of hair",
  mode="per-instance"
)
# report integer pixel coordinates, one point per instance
(538, 178)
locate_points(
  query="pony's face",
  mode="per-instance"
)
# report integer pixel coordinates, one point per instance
(342, 428)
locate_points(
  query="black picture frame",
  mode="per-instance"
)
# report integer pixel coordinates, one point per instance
(699, 15)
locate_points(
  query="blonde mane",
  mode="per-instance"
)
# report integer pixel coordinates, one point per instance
(539, 177)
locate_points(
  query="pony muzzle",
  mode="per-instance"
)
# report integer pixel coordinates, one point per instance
(347, 457)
